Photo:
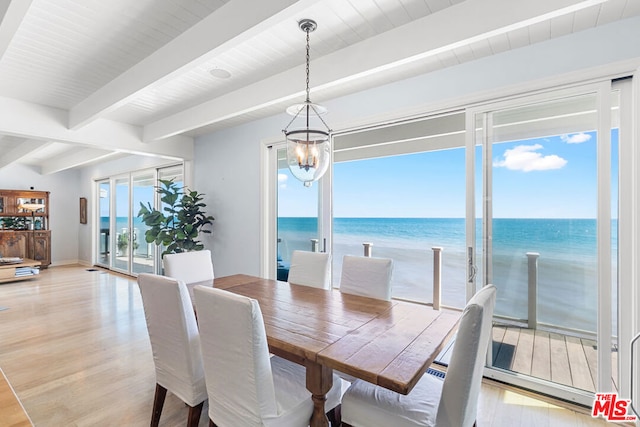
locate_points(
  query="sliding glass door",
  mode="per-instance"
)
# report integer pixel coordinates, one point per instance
(298, 210)
(547, 209)
(120, 233)
(520, 193)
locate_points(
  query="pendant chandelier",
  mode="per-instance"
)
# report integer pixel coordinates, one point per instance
(308, 149)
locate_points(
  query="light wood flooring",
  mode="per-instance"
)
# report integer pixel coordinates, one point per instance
(74, 346)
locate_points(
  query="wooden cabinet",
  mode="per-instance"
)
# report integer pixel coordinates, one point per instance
(40, 250)
(13, 244)
(24, 225)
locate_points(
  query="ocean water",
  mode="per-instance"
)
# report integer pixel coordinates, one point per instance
(567, 248)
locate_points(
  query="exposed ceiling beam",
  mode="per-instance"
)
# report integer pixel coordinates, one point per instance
(77, 158)
(12, 11)
(22, 148)
(32, 121)
(231, 24)
(475, 20)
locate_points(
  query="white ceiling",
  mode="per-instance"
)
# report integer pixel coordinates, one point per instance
(85, 80)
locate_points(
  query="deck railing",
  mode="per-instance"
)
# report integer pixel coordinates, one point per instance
(532, 270)
(532, 274)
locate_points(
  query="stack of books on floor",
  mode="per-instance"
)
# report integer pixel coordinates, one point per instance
(26, 271)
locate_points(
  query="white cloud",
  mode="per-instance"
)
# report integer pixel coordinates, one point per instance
(576, 138)
(526, 158)
(282, 180)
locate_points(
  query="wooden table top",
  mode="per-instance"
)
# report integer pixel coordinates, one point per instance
(388, 343)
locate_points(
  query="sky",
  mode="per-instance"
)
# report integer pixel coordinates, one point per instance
(553, 177)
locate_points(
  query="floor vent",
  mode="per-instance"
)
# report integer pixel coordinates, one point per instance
(435, 373)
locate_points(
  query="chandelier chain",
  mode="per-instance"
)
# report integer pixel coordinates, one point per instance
(308, 26)
(307, 60)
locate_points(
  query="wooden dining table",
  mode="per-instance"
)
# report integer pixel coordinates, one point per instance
(388, 343)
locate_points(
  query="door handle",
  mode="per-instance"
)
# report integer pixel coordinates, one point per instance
(472, 267)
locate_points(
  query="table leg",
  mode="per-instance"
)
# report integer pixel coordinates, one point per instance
(319, 382)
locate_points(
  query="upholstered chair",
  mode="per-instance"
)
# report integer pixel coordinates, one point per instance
(247, 387)
(193, 268)
(433, 402)
(365, 276)
(310, 269)
(175, 343)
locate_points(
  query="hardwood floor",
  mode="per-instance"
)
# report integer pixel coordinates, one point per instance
(74, 346)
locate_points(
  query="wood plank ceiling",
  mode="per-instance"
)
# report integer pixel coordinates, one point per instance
(84, 80)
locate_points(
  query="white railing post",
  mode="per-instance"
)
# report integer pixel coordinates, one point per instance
(367, 249)
(437, 276)
(532, 261)
(314, 245)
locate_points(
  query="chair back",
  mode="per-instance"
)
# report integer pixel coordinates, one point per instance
(190, 267)
(310, 269)
(174, 337)
(236, 358)
(459, 400)
(365, 276)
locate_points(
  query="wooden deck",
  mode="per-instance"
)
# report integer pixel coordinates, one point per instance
(563, 359)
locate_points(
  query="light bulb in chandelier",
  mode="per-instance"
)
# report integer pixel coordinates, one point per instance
(308, 146)
(308, 154)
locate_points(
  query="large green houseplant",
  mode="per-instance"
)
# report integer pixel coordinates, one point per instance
(178, 227)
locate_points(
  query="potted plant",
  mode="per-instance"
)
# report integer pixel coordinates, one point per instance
(123, 242)
(178, 228)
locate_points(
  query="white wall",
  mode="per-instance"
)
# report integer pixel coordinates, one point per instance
(227, 171)
(227, 163)
(64, 213)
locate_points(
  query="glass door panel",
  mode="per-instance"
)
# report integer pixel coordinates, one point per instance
(412, 213)
(541, 219)
(104, 224)
(142, 252)
(400, 189)
(122, 233)
(297, 216)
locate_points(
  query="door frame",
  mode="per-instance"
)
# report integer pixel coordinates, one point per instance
(269, 206)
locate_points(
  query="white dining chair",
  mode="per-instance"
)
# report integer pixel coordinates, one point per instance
(193, 268)
(433, 402)
(175, 343)
(310, 269)
(366, 276)
(247, 387)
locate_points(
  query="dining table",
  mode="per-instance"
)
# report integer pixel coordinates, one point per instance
(388, 343)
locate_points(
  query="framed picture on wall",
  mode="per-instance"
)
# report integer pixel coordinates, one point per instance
(83, 210)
